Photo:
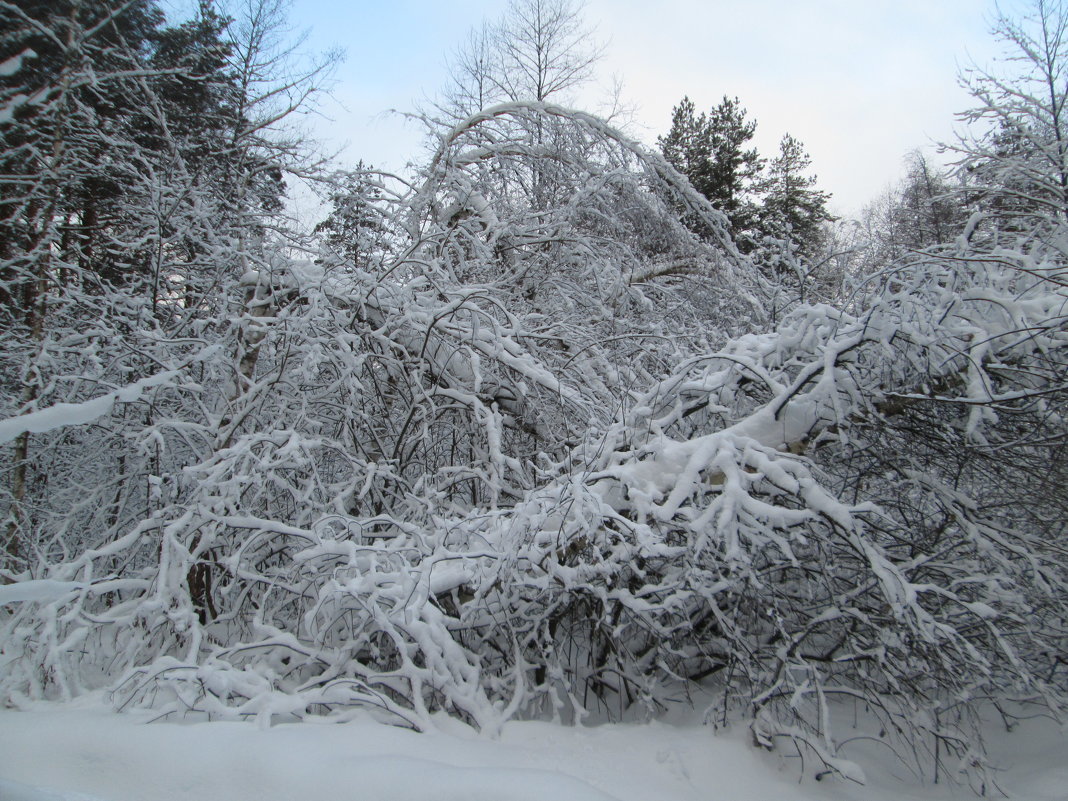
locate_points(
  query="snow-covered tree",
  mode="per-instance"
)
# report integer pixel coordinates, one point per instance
(792, 206)
(505, 457)
(538, 50)
(72, 137)
(1019, 155)
(926, 210)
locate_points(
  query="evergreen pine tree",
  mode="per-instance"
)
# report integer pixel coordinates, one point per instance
(711, 150)
(793, 207)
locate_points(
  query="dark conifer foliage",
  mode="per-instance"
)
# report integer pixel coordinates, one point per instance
(713, 151)
(793, 208)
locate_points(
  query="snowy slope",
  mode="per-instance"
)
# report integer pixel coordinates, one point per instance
(86, 753)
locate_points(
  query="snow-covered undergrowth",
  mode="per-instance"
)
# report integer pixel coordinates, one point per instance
(538, 453)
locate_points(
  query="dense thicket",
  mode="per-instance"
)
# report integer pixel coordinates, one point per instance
(521, 434)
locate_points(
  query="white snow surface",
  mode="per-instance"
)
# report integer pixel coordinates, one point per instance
(84, 752)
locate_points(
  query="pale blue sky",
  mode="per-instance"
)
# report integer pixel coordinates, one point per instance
(859, 82)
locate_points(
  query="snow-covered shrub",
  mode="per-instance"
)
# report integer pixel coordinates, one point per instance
(533, 456)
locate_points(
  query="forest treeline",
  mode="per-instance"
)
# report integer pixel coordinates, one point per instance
(555, 424)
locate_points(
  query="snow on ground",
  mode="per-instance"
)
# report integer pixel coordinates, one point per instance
(83, 752)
